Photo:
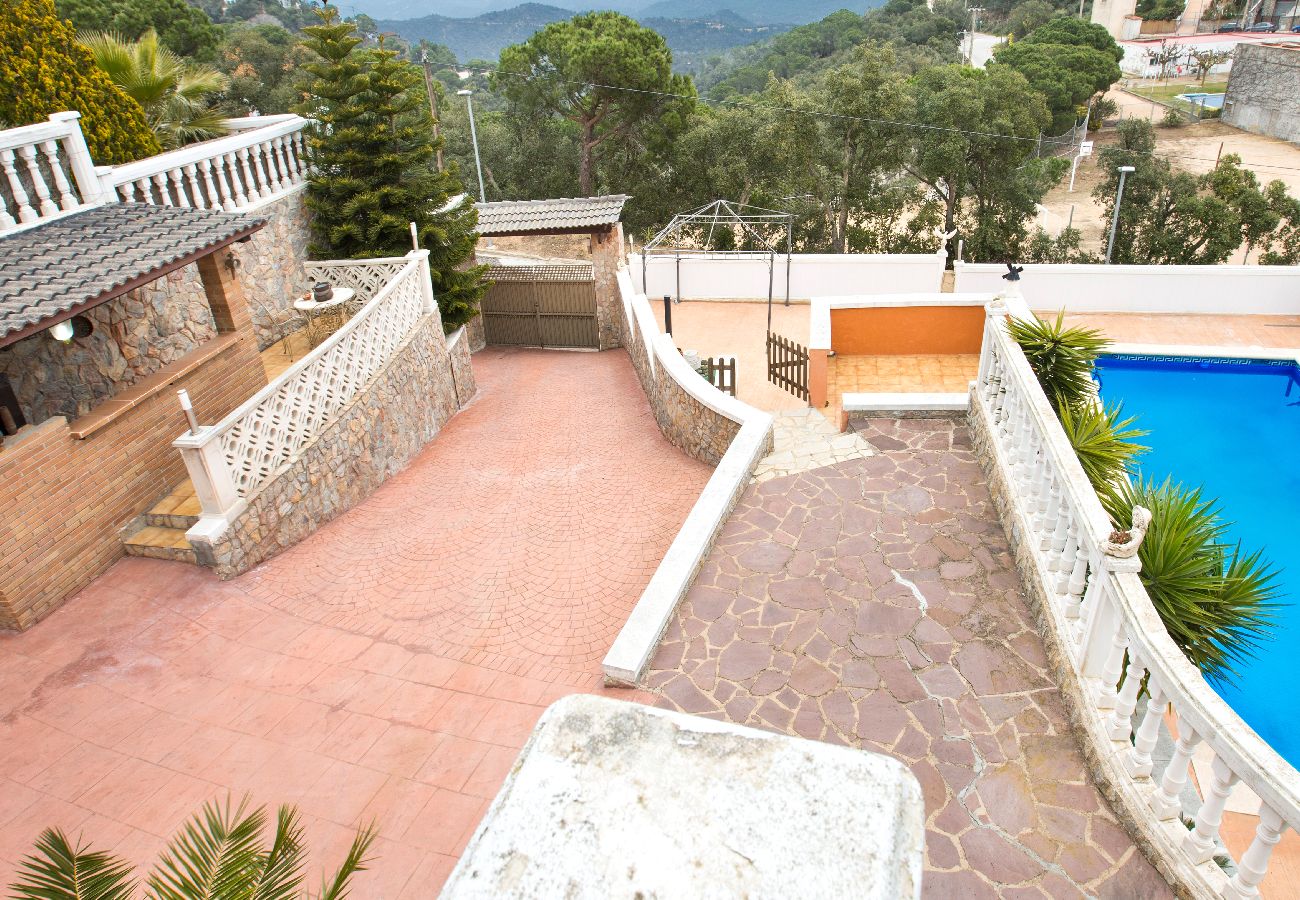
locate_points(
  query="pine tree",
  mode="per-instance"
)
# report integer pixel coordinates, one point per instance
(44, 70)
(372, 153)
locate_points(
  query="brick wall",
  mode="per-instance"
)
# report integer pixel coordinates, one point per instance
(65, 500)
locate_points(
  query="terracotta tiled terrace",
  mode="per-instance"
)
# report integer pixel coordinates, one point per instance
(389, 667)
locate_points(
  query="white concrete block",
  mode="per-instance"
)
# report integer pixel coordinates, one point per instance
(617, 800)
(889, 402)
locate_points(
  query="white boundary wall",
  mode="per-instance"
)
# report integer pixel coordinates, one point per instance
(715, 276)
(1260, 290)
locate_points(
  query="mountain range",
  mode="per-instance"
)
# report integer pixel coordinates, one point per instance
(485, 35)
(758, 12)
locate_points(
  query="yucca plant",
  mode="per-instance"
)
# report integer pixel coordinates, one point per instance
(177, 95)
(1103, 441)
(1062, 358)
(220, 854)
(1217, 602)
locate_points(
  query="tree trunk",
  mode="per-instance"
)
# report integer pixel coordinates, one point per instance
(950, 222)
(584, 160)
(842, 224)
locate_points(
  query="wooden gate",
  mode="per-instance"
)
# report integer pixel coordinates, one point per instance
(787, 365)
(541, 306)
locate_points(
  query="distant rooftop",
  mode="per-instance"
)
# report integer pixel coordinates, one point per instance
(559, 216)
(63, 266)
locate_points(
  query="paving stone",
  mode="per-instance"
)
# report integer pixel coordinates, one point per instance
(955, 686)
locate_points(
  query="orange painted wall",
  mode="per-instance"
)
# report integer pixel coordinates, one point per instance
(907, 330)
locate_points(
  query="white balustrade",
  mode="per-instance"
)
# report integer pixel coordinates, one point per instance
(230, 460)
(260, 160)
(45, 171)
(1122, 655)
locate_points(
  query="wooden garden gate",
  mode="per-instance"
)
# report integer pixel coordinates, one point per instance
(787, 365)
(541, 306)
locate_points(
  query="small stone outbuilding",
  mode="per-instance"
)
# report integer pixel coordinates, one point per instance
(1264, 90)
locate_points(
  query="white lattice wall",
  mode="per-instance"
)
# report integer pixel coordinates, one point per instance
(267, 431)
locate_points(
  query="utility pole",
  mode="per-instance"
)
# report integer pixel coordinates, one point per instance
(433, 101)
(974, 26)
(1114, 220)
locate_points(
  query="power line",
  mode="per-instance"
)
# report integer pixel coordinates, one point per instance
(821, 113)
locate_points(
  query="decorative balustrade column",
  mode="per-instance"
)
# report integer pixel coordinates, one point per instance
(1139, 760)
(1253, 864)
(67, 199)
(1202, 841)
(43, 198)
(1166, 800)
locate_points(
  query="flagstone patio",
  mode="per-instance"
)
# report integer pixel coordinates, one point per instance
(873, 603)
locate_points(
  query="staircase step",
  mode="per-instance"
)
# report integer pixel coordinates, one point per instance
(158, 542)
(179, 509)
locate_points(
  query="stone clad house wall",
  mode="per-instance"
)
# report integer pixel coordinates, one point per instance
(270, 266)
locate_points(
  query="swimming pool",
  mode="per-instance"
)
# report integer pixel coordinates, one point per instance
(1233, 425)
(1209, 101)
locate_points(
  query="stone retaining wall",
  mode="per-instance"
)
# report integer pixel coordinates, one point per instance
(270, 265)
(1116, 785)
(694, 428)
(710, 426)
(371, 439)
(459, 347)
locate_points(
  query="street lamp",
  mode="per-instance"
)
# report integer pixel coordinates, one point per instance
(473, 134)
(974, 27)
(1114, 220)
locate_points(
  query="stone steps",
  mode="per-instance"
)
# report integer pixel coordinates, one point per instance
(157, 542)
(803, 440)
(160, 532)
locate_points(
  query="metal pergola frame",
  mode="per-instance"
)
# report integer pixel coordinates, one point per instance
(727, 214)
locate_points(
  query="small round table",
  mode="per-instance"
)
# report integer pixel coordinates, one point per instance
(325, 318)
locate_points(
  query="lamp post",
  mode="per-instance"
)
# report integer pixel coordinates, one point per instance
(974, 27)
(1114, 219)
(473, 134)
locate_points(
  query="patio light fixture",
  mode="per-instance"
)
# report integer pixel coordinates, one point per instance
(76, 327)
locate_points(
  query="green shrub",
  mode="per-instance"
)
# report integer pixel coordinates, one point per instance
(1102, 440)
(1062, 358)
(44, 70)
(1217, 602)
(1173, 119)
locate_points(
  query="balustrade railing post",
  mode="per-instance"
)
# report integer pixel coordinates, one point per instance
(90, 184)
(430, 302)
(1253, 864)
(1166, 801)
(213, 483)
(1202, 841)
(995, 316)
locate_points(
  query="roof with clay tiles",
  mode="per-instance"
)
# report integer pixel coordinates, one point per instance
(559, 215)
(58, 268)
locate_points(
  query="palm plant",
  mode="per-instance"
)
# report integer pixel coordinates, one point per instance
(1102, 440)
(219, 855)
(176, 94)
(1217, 602)
(1062, 358)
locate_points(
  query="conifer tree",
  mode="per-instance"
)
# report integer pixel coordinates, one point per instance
(372, 153)
(44, 70)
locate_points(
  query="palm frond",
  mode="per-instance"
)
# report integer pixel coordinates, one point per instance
(1217, 603)
(217, 854)
(58, 871)
(356, 861)
(1062, 358)
(1104, 443)
(281, 876)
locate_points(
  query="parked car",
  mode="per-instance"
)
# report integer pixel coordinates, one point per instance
(1263, 27)
(1229, 27)
(1295, 29)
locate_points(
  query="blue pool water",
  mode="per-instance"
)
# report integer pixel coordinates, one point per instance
(1209, 101)
(1234, 427)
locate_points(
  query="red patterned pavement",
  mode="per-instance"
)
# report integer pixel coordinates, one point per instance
(390, 666)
